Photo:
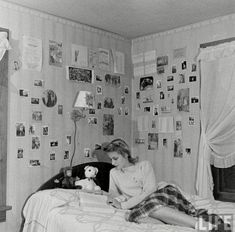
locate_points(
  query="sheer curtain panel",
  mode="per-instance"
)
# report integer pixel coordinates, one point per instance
(217, 142)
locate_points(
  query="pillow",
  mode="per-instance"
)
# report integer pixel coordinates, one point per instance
(94, 203)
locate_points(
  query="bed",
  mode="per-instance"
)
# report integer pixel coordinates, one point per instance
(55, 209)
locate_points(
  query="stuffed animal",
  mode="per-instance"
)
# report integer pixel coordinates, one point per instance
(67, 181)
(88, 183)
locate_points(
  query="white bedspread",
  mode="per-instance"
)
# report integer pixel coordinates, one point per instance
(59, 210)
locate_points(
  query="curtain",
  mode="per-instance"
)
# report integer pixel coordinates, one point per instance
(217, 112)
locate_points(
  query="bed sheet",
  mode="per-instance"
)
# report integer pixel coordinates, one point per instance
(59, 210)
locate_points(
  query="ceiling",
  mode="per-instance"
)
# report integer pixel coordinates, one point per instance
(133, 18)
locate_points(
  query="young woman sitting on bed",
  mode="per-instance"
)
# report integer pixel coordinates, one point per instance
(133, 186)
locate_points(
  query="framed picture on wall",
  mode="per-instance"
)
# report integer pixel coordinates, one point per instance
(79, 74)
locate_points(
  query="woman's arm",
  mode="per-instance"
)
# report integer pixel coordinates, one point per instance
(149, 185)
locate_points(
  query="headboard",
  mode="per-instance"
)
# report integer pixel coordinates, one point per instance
(102, 177)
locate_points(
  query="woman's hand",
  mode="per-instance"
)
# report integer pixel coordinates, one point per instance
(115, 203)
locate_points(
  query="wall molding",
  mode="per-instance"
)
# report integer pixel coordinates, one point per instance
(185, 28)
(61, 20)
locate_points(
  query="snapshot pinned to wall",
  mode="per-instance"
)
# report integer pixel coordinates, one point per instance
(24, 93)
(49, 98)
(194, 68)
(79, 74)
(191, 120)
(66, 154)
(68, 139)
(87, 152)
(148, 99)
(181, 78)
(158, 84)
(165, 109)
(138, 106)
(79, 55)
(170, 78)
(112, 80)
(92, 120)
(99, 90)
(147, 109)
(45, 130)
(38, 83)
(60, 109)
(179, 53)
(183, 100)
(156, 110)
(173, 69)
(91, 111)
(108, 124)
(160, 70)
(54, 143)
(146, 83)
(55, 53)
(184, 65)
(126, 111)
(194, 99)
(52, 156)
(152, 141)
(103, 59)
(170, 87)
(34, 163)
(108, 103)
(123, 99)
(32, 129)
(162, 60)
(178, 125)
(164, 143)
(98, 78)
(126, 89)
(192, 78)
(140, 141)
(188, 151)
(119, 110)
(20, 129)
(137, 95)
(154, 124)
(178, 147)
(162, 95)
(35, 101)
(35, 143)
(20, 153)
(99, 105)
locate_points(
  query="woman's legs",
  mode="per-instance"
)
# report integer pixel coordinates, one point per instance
(175, 217)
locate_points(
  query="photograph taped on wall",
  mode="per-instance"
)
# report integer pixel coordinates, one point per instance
(146, 83)
(20, 153)
(55, 53)
(20, 129)
(152, 141)
(79, 74)
(108, 124)
(35, 142)
(162, 60)
(66, 154)
(183, 100)
(34, 163)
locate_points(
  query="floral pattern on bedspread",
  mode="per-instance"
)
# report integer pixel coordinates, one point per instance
(67, 219)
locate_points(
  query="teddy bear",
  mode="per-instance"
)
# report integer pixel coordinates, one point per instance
(88, 183)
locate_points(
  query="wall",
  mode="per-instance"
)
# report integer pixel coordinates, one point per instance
(169, 168)
(22, 179)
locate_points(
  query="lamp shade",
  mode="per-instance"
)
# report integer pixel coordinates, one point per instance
(84, 99)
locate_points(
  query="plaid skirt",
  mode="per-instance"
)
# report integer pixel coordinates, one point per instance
(168, 196)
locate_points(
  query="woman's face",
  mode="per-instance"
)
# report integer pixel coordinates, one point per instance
(118, 160)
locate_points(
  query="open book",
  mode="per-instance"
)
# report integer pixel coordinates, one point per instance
(94, 203)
